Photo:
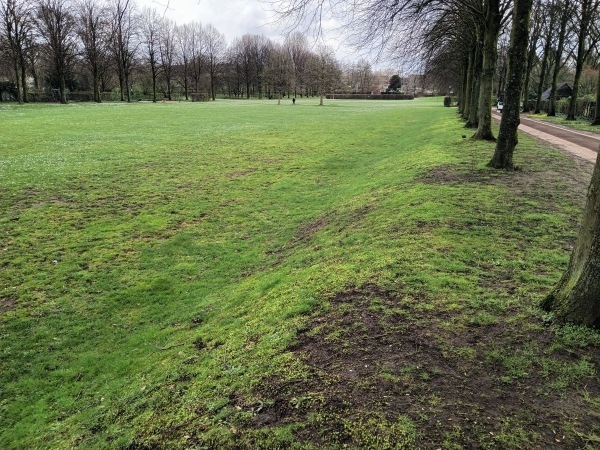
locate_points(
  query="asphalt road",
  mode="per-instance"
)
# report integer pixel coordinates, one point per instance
(582, 144)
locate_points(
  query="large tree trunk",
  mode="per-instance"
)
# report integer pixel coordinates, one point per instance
(597, 117)
(507, 137)
(490, 55)
(557, 59)
(576, 299)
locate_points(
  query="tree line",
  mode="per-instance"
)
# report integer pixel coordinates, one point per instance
(97, 46)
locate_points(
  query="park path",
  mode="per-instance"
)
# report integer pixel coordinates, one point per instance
(584, 145)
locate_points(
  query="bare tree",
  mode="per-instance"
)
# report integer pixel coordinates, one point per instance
(325, 71)
(587, 14)
(279, 71)
(196, 51)
(536, 31)
(92, 29)
(549, 19)
(167, 51)
(359, 76)
(297, 47)
(241, 60)
(149, 33)
(565, 14)
(124, 42)
(56, 26)
(183, 40)
(215, 47)
(259, 48)
(17, 26)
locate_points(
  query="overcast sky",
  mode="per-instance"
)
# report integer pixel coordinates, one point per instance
(234, 18)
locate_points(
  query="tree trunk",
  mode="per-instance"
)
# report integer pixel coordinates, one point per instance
(531, 58)
(121, 82)
(473, 118)
(490, 55)
(18, 81)
(63, 89)
(544, 68)
(559, 52)
(96, 83)
(23, 78)
(507, 137)
(127, 90)
(587, 11)
(597, 116)
(185, 78)
(467, 86)
(576, 298)
(154, 84)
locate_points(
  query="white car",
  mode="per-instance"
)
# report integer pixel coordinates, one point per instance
(499, 107)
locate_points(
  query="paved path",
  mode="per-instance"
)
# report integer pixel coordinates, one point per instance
(582, 144)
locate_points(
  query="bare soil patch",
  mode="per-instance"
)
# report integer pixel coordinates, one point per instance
(373, 356)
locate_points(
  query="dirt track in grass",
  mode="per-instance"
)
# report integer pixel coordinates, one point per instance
(448, 378)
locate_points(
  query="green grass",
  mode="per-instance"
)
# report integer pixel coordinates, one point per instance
(581, 123)
(158, 262)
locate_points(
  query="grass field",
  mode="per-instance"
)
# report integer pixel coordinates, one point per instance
(239, 274)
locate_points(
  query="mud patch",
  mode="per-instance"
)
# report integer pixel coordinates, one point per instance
(375, 359)
(7, 304)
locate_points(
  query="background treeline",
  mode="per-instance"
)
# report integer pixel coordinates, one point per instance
(93, 50)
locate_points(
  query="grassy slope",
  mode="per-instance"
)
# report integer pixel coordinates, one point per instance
(158, 260)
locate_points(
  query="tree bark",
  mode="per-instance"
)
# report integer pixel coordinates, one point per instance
(490, 55)
(576, 298)
(507, 137)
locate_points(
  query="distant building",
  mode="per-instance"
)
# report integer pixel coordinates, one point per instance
(563, 90)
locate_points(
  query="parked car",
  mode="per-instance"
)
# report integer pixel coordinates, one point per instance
(499, 106)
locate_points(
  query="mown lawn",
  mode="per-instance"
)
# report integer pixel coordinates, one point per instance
(239, 274)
